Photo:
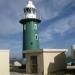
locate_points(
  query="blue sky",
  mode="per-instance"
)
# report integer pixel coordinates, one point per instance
(57, 29)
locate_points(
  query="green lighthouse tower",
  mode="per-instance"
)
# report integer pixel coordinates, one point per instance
(30, 27)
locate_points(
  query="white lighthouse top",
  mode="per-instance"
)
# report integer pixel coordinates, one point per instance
(30, 4)
(30, 10)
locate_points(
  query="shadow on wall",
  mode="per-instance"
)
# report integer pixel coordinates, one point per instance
(58, 66)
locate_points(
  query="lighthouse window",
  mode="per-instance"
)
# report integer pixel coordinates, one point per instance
(28, 10)
(35, 26)
(31, 43)
(36, 36)
(34, 11)
(24, 27)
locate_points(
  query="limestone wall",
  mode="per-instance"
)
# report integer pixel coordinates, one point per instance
(4, 62)
(48, 60)
(53, 62)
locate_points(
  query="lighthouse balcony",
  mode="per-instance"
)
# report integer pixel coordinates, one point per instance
(27, 19)
(30, 15)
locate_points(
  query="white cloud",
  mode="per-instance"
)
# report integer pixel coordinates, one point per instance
(52, 8)
(8, 26)
(46, 35)
(11, 13)
(45, 10)
(61, 27)
(60, 4)
(15, 47)
(65, 25)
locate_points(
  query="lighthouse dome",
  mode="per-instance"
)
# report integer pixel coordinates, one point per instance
(30, 4)
(30, 10)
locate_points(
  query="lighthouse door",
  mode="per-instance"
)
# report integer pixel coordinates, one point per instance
(34, 64)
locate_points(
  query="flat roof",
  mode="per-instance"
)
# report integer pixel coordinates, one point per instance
(4, 50)
(45, 50)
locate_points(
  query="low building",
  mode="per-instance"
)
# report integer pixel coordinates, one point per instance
(17, 63)
(73, 52)
(45, 61)
(4, 62)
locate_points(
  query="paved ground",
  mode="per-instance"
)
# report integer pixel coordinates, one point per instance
(14, 73)
(69, 71)
(70, 67)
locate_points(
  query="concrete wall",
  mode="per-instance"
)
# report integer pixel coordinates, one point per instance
(39, 62)
(4, 62)
(28, 64)
(49, 60)
(53, 62)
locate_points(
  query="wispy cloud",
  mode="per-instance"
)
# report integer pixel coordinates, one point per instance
(11, 13)
(57, 15)
(52, 8)
(61, 23)
(62, 27)
(12, 43)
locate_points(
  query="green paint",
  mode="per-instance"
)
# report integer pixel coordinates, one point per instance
(30, 34)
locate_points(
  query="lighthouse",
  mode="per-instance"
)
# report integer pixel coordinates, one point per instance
(35, 60)
(30, 27)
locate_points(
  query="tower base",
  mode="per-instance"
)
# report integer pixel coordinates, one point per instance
(45, 61)
(4, 62)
